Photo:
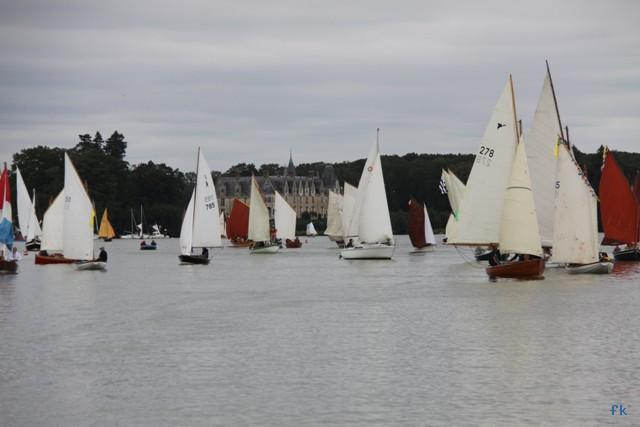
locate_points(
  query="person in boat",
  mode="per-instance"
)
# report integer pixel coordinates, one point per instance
(205, 253)
(153, 243)
(14, 255)
(102, 256)
(604, 257)
(297, 241)
(349, 244)
(494, 257)
(616, 249)
(143, 243)
(43, 253)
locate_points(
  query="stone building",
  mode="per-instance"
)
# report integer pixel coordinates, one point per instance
(304, 193)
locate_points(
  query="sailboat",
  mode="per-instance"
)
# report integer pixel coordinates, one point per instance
(259, 227)
(620, 211)
(132, 233)
(369, 234)
(106, 231)
(27, 218)
(6, 224)
(285, 221)
(223, 226)
(575, 228)
(201, 222)
(334, 218)
(348, 202)
(420, 231)
(53, 234)
(311, 230)
(238, 224)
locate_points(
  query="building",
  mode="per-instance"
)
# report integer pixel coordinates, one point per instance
(308, 194)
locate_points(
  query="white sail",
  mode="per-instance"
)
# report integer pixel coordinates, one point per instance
(348, 201)
(519, 232)
(259, 229)
(78, 216)
(575, 228)
(186, 231)
(223, 225)
(27, 218)
(284, 217)
(481, 208)
(371, 212)
(206, 221)
(53, 225)
(455, 191)
(334, 215)
(311, 230)
(541, 142)
(429, 237)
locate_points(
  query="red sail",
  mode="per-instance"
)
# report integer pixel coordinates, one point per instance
(636, 186)
(238, 222)
(618, 205)
(416, 224)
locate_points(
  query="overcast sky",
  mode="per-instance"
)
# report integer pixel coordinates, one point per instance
(249, 80)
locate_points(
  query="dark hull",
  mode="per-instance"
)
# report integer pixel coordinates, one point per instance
(529, 269)
(485, 256)
(148, 247)
(193, 259)
(8, 267)
(627, 255)
(33, 245)
(53, 259)
(292, 244)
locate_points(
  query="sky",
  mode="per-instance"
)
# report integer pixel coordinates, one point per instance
(248, 81)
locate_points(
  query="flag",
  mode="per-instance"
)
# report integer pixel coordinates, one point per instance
(6, 224)
(442, 186)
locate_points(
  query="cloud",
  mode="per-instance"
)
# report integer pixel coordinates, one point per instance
(249, 81)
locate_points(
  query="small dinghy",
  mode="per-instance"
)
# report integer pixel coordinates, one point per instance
(201, 222)
(369, 234)
(259, 227)
(602, 267)
(293, 244)
(53, 259)
(90, 265)
(632, 254)
(8, 267)
(144, 246)
(420, 231)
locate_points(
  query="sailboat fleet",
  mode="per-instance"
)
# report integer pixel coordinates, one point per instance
(526, 205)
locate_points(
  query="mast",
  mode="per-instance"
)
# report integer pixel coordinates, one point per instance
(195, 195)
(141, 223)
(555, 102)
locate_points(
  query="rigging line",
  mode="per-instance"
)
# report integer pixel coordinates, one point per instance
(473, 263)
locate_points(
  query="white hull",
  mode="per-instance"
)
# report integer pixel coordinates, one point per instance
(375, 251)
(91, 265)
(593, 268)
(555, 265)
(266, 250)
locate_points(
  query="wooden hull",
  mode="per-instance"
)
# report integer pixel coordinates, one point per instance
(529, 269)
(592, 268)
(91, 266)
(627, 255)
(10, 267)
(292, 244)
(241, 244)
(193, 259)
(53, 259)
(374, 251)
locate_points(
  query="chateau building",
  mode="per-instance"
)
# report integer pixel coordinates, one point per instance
(304, 193)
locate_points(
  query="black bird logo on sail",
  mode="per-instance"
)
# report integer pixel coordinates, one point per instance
(500, 125)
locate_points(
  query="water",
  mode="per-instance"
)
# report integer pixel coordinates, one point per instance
(302, 338)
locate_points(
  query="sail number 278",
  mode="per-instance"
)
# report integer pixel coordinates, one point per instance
(485, 155)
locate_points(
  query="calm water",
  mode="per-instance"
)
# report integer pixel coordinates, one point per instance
(302, 338)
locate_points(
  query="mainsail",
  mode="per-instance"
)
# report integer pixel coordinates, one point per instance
(618, 205)
(238, 221)
(334, 215)
(541, 146)
(575, 228)
(284, 217)
(481, 208)
(53, 225)
(106, 230)
(78, 216)
(201, 223)
(348, 201)
(27, 218)
(259, 229)
(371, 221)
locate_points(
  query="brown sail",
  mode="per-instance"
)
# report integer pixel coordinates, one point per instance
(416, 224)
(238, 223)
(618, 205)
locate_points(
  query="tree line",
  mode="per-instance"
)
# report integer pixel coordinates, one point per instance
(164, 191)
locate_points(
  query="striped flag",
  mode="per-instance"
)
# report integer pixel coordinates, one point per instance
(442, 186)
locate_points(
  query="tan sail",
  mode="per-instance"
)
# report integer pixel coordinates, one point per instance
(106, 230)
